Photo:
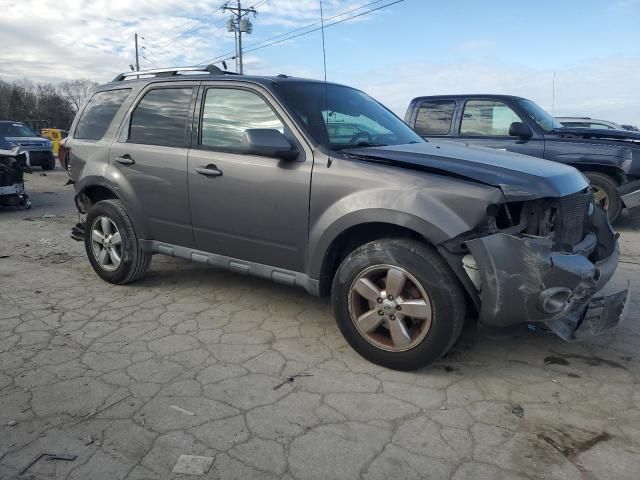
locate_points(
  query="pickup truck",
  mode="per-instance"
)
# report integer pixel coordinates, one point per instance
(609, 159)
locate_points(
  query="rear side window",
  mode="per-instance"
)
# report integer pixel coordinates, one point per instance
(434, 117)
(99, 113)
(161, 118)
(227, 113)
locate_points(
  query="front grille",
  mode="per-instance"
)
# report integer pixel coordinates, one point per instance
(572, 218)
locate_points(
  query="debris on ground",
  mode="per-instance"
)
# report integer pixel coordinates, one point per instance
(49, 457)
(517, 410)
(193, 465)
(291, 379)
(89, 440)
(5, 256)
(182, 410)
(12, 423)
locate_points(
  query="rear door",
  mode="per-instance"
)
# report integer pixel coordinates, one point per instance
(150, 159)
(257, 208)
(486, 122)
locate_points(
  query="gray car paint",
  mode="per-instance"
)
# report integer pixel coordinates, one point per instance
(281, 222)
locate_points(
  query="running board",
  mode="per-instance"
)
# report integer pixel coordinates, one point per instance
(275, 274)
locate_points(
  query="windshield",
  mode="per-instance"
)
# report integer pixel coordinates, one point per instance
(340, 117)
(544, 120)
(15, 130)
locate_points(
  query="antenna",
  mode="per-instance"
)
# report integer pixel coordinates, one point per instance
(553, 95)
(326, 88)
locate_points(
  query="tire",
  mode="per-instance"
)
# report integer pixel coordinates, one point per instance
(49, 165)
(423, 269)
(607, 185)
(134, 263)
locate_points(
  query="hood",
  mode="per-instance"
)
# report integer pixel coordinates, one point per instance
(29, 141)
(520, 177)
(605, 134)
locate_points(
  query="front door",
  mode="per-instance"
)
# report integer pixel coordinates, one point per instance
(248, 207)
(151, 158)
(486, 123)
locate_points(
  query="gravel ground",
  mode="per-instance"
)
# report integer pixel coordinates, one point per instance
(194, 361)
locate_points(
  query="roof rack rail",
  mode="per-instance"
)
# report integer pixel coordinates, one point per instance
(169, 72)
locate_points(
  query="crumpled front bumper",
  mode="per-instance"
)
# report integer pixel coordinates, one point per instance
(523, 280)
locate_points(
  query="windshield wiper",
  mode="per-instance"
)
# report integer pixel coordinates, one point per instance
(358, 145)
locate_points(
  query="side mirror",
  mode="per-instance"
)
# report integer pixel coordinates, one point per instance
(519, 129)
(268, 142)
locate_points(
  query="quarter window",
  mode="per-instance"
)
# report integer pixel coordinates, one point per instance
(228, 113)
(487, 118)
(99, 113)
(161, 118)
(434, 117)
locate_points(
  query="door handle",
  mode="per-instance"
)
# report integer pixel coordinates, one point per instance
(209, 171)
(125, 160)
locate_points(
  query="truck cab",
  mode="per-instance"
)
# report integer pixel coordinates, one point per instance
(609, 159)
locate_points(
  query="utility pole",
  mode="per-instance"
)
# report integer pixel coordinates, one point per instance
(238, 23)
(135, 36)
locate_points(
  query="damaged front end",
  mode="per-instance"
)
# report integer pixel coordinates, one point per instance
(543, 261)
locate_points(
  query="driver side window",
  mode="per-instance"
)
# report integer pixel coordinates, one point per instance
(487, 118)
(227, 113)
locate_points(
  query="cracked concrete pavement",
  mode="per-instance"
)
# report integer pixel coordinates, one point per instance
(195, 361)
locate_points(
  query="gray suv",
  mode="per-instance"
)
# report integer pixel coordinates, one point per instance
(319, 186)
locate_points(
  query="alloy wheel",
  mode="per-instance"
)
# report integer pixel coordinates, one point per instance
(106, 243)
(390, 308)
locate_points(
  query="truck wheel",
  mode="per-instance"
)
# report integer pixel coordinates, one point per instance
(397, 303)
(605, 191)
(112, 244)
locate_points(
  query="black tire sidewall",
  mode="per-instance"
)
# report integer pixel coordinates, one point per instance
(610, 186)
(113, 210)
(445, 294)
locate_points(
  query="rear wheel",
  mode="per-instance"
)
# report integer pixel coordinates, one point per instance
(112, 245)
(398, 304)
(605, 192)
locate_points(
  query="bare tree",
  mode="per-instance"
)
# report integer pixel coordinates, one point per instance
(77, 90)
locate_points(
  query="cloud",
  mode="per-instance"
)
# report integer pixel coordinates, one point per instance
(604, 88)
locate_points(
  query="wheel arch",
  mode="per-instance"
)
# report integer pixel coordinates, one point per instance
(616, 173)
(93, 190)
(354, 236)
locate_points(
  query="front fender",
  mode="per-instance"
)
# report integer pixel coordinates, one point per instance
(437, 211)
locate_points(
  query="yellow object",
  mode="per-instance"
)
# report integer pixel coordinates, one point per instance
(55, 135)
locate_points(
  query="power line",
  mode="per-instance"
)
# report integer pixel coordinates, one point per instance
(326, 26)
(256, 46)
(190, 29)
(299, 29)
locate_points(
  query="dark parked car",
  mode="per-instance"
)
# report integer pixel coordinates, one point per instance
(407, 236)
(40, 149)
(609, 158)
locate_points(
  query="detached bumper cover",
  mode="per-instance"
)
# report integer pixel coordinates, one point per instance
(630, 194)
(524, 280)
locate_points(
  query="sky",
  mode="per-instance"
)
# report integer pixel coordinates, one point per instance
(411, 48)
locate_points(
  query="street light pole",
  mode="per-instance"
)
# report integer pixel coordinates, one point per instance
(135, 36)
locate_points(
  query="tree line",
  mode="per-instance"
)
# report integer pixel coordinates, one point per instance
(43, 105)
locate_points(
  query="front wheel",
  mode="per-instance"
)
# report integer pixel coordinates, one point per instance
(605, 192)
(398, 304)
